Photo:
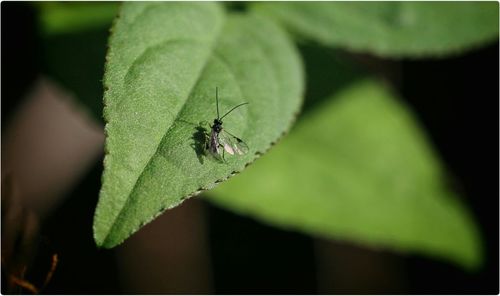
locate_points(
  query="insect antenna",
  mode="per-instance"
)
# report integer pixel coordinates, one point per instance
(217, 100)
(233, 109)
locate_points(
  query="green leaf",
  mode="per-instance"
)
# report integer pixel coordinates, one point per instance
(69, 17)
(358, 168)
(393, 29)
(164, 62)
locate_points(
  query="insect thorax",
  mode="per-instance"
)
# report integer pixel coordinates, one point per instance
(217, 127)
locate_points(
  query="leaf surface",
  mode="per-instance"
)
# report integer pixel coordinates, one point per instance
(394, 28)
(358, 168)
(164, 63)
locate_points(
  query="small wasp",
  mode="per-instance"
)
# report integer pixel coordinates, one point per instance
(221, 140)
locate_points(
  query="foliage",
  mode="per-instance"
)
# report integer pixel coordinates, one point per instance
(161, 76)
(392, 29)
(357, 166)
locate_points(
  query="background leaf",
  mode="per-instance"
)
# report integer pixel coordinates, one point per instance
(69, 17)
(393, 29)
(164, 62)
(358, 168)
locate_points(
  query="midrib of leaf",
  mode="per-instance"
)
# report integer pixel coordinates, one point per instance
(210, 52)
(164, 42)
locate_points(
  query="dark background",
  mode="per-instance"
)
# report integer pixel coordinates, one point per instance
(456, 100)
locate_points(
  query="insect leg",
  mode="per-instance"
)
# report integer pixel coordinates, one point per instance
(223, 152)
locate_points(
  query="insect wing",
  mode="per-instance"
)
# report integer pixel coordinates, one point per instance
(232, 145)
(241, 147)
(212, 145)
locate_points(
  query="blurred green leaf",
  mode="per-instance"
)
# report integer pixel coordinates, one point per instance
(393, 29)
(164, 62)
(358, 168)
(69, 17)
(326, 71)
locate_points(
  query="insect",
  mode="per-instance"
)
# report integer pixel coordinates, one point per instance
(220, 140)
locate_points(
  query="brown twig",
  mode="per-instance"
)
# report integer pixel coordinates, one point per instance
(23, 284)
(53, 266)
